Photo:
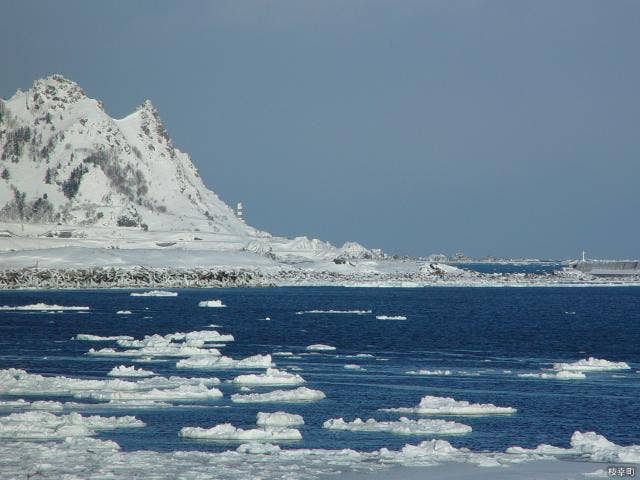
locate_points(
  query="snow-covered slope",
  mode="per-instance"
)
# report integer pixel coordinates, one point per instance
(71, 176)
(63, 159)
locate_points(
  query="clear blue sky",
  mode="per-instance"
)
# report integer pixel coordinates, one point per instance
(499, 127)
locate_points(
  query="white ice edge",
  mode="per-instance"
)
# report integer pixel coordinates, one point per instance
(226, 431)
(403, 426)
(44, 307)
(154, 293)
(432, 405)
(88, 457)
(300, 394)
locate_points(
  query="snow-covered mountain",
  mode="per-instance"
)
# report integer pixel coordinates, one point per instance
(63, 159)
(117, 182)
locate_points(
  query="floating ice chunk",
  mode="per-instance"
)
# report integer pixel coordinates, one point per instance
(432, 450)
(123, 371)
(430, 405)
(402, 427)
(272, 376)
(255, 448)
(335, 312)
(279, 419)
(319, 347)
(300, 394)
(220, 362)
(154, 293)
(204, 335)
(591, 365)
(429, 372)
(97, 338)
(282, 354)
(170, 350)
(22, 404)
(353, 366)
(123, 312)
(19, 382)
(559, 375)
(45, 425)
(211, 303)
(226, 431)
(183, 392)
(391, 317)
(43, 307)
(599, 449)
(589, 445)
(360, 355)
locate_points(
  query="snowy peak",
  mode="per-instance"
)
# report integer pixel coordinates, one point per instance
(63, 159)
(55, 89)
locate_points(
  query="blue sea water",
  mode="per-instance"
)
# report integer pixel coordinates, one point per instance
(538, 268)
(485, 336)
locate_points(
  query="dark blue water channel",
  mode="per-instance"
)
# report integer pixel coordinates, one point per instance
(484, 336)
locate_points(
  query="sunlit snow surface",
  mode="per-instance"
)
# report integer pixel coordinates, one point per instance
(63, 412)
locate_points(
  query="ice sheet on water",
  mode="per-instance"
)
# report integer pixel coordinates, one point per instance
(556, 375)
(45, 425)
(123, 312)
(154, 293)
(226, 431)
(391, 317)
(272, 376)
(211, 303)
(353, 366)
(278, 419)
(300, 394)
(213, 362)
(588, 445)
(334, 312)
(429, 372)
(124, 371)
(320, 347)
(92, 458)
(431, 405)
(183, 392)
(19, 382)
(43, 307)
(257, 448)
(195, 339)
(282, 354)
(170, 350)
(404, 426)
(22, 404)
(86, 337)
(591, 364)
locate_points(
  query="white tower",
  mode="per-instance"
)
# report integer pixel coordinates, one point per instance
(239, 211)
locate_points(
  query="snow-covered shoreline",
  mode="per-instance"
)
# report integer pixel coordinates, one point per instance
(145, 277)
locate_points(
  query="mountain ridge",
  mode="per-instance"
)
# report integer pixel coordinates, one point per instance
(98, 170)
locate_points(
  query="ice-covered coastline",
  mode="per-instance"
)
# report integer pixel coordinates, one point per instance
(406, 274)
